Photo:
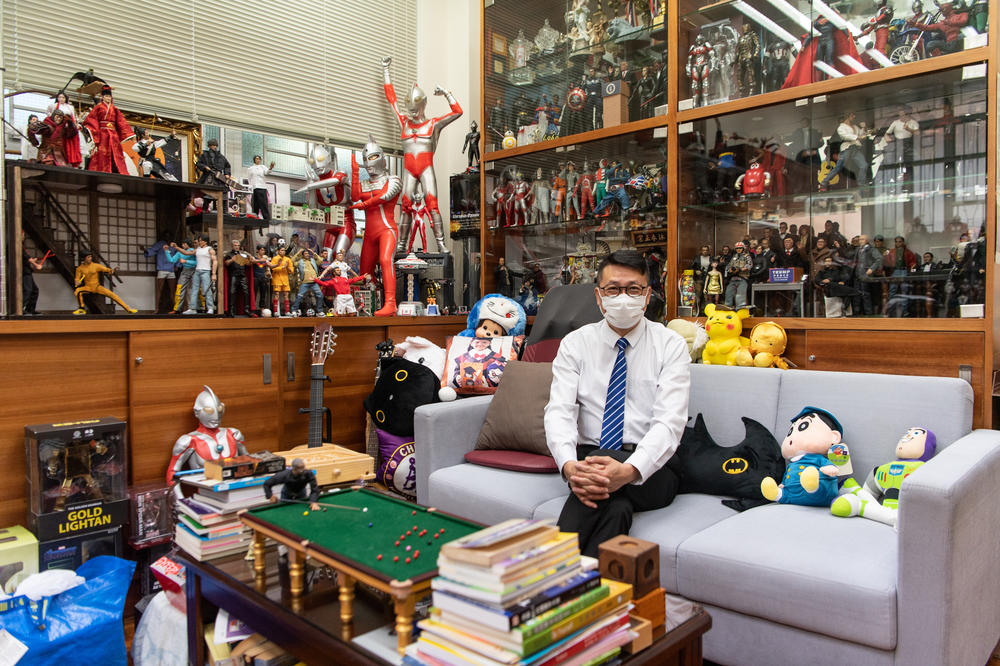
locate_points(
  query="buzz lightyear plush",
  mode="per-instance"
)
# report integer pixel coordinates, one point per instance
(878, 499)
(810, 474)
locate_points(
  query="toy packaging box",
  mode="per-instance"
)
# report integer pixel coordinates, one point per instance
(71, 552)
(18, 557)
(151, 517)
(77, 474)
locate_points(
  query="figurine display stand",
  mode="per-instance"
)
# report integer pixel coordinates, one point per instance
(616, 94)
(411, 266)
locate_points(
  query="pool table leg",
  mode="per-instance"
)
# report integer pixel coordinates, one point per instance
(404, 621)
(259, 562)
(346, 584)
(296, 578)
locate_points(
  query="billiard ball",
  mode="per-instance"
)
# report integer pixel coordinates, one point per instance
(408, 548)
(379, 557)
(397, 543)
(395, 558)
(415, 528)
(416, 554)
(437, 536)
(407, 560)
(305, 513)
(414, 513)
(370, 524)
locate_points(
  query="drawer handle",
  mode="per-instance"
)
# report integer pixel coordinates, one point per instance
(812, 358)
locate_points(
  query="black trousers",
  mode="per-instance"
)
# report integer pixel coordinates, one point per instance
(613, 516)
(258, 202)
(29, 293)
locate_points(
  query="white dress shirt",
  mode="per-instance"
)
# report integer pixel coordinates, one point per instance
(255, 175)
(903, 129)
(656, 392)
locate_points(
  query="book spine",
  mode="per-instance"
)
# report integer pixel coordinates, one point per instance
(570, 624)
(556, 615)
(583, 644)
(549, 599)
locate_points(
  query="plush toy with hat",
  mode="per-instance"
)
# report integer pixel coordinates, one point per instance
(810, 474)
(495, 315)
(878, 499)
(724, 340)
(767, 343)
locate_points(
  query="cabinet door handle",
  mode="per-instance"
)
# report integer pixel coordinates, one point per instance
(267, 368)
(291, 366)
(812, 358)
(965, 372)
(138, 360)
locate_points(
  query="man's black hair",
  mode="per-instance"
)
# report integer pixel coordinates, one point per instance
(627, 259)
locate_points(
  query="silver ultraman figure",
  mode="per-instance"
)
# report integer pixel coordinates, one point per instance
(328, 186)
(419, 137)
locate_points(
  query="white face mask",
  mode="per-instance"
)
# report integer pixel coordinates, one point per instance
(623, 311)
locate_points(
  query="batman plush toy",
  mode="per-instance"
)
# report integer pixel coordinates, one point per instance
(706, 467)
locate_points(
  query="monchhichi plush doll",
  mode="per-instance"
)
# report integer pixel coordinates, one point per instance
(495, 315)
(810, 476)
(878, 499)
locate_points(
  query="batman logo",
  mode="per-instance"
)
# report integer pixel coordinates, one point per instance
(735, 466)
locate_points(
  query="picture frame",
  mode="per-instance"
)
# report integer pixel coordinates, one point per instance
(498, 44)
(180, 153)
(499, 64)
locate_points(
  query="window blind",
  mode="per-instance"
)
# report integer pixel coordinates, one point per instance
(302, 68)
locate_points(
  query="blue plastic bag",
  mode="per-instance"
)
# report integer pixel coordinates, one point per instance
(82, 625)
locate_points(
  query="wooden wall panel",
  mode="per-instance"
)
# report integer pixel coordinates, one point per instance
(352, 374)
(51, 379)
(174, 368)
(436, 333)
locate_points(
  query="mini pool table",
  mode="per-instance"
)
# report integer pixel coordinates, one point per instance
(393, 546)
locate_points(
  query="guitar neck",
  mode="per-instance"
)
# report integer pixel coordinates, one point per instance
(315, 406)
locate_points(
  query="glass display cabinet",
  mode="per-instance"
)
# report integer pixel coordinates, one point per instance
(548, 66)
(901, 165)
(552, 214)
(734, 50)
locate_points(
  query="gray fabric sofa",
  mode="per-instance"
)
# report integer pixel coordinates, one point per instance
(789, 584)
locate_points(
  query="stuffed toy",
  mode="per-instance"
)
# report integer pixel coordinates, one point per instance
(810, 476)
(767, 343)
(495, 315)
(724, 341)
(423, 351)
(737, 471)
(694, 335)
(402, 386)
(878, 499)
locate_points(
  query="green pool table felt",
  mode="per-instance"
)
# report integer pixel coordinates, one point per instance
(347, 533)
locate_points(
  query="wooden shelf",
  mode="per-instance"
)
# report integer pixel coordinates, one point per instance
(582, 137)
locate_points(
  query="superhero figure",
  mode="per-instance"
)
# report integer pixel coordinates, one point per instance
(879, 24)
(208, 441)
(419, 137)
(699, 66)
(585, 187)
(518, 204)
(328, 186)
(747, 52)
(377, 197)
(754, 181)
(419, 221)
(617, 177)
(88, 281)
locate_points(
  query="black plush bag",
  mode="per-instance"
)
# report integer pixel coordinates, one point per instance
(706, 467)
(402, 386)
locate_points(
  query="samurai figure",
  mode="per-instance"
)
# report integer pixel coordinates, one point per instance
(419, 137)
(328, 186)
(472, 145)
(109, 131)
(377, 197)
(747, 52)
(699, 67)
(208, 441)
(150, 152)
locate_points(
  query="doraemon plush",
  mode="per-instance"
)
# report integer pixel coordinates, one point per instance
(495, 315)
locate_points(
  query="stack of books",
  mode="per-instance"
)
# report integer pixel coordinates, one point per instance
(517, 594)
(207, 522)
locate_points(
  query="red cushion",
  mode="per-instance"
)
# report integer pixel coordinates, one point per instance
(541, 352)
(515, 461)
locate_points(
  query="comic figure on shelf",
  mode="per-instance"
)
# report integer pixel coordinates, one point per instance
(298, 484)
(150, 152)
(777, 65)
(215, 171)
(878, 24)
(713, 284)
(947, 30)
(572, 179)
(979, 14)
(747, 60)
(753, 183)
(504, 280)
(508, 140)
(472, 146)
(343, 302)
(645, 90)
(57, 138)
(239, 278)
(498, 196)
(88, 281)
(328, 187)
(208, 441)
(557, 195)
(420, 220)
(377, 197)
(419, 136)
(585, 191)
(593, 111)
(110, 132)
(522, 200)
(699, 68)
(540, 189)
(497, 123)
(616, 176)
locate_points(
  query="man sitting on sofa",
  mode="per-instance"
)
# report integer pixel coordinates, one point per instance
(617, 408)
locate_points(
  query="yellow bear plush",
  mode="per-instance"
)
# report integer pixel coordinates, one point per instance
(724, 341)
(767, 343)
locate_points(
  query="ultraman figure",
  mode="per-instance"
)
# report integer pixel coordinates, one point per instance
(377, 197)
(540, 194)
(208, 441)
(585, 185)
(522, 199)
(419, 137)
(419, 218)
(572, 198)
(699, 68)
(327, 187)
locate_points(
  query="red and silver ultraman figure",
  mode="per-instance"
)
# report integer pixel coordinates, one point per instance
(419, 137)
(699, 66)
(585, 185)
(522, 199)
(419, 222)
(499, 197)
(327, 187)
(208, 441)
(377, 197)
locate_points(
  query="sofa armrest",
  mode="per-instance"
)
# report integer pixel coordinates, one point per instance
(949, 581)
(443, 432)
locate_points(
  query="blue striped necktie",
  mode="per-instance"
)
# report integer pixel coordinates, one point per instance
(613, 425)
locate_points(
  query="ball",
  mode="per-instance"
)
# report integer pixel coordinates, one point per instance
(379, 557)
(407, 560)
(364, 510)
(370, 524)
(395, 558)
(265, 312)
(305, 513)
(408, 548)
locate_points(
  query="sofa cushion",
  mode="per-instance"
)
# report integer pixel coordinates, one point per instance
(515, 420)
(725, 393)
(891, 405)
(515, 461)
(668, 527)
(799, 566)
(491, 495)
